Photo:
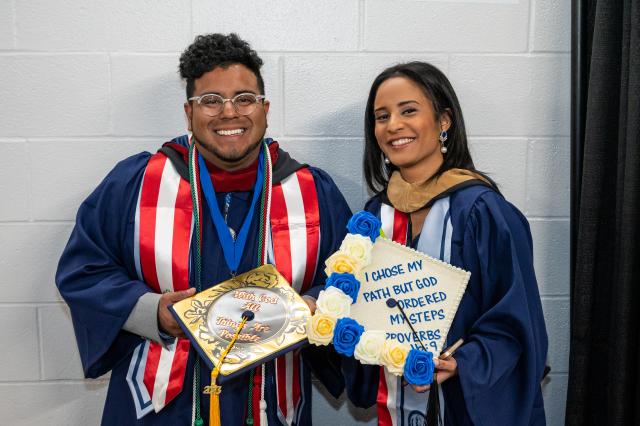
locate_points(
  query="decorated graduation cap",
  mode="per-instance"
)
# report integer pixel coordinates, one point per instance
(242, 323)
(385, 303)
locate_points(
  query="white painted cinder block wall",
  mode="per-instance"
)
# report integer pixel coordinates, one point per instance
(86, 83)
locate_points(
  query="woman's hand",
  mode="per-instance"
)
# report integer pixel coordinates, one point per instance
(445, 369)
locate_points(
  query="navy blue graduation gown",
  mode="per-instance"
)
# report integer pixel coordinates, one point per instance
(500, 317)
(97, 278)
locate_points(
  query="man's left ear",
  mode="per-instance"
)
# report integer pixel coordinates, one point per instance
(266, 104)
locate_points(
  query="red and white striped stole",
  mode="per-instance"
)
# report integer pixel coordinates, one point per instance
(295, 237)
(395, 226)
(163, 234)
(163, 224)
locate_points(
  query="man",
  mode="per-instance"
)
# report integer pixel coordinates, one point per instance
(139, 245)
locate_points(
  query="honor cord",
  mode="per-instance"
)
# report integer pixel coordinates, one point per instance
(265, 201)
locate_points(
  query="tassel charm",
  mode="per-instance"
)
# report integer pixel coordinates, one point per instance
(263, 413)
(264, 420)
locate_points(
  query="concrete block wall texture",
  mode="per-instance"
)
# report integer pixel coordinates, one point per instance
(85, 83)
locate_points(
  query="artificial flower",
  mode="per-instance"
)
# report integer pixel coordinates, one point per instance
(358, 247)
(334, 302)
(346, 335)
(394, 354)
(369, 347)
(366, 224)
(320, 328)
(419, 367)
(340, 262)
(345, 282)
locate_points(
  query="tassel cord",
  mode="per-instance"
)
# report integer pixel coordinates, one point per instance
(433, 417)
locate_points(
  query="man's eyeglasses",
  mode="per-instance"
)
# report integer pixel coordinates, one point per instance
(243, 103)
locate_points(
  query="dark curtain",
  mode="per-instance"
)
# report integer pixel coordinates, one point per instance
(604, 367)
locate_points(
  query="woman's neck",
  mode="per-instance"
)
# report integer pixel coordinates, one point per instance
(421, 172)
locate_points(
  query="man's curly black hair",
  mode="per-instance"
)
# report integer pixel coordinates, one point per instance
(217, 50)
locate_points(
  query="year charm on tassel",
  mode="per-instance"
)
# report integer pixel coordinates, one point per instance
(212, 390)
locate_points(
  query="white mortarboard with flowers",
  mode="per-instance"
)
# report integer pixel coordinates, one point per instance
(385, 303)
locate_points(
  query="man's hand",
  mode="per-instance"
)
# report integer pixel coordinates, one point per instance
(166, 322)
(311, 302)
(445, 369)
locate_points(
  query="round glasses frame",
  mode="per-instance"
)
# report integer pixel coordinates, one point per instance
(243, 103)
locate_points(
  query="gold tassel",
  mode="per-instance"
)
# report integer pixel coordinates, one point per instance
(214, 401)
(214, 390)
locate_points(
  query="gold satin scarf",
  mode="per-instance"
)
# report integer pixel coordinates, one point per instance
(410, 197)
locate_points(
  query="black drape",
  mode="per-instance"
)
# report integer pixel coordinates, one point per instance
(604, 370)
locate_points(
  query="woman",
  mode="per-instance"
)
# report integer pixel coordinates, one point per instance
(430, 196)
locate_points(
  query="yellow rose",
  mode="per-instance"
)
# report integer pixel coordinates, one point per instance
(358, 247)
(340, 262)
(320, 328)
(393, 356)
(369, 347)
(334, 302)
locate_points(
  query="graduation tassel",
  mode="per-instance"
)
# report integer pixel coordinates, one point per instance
(214, 400)
(433, 417)
(433, 405)
(214, 390)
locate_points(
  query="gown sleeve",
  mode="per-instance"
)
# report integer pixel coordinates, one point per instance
(324, 361)
(502, 361)
(96, 273)
(334, 215)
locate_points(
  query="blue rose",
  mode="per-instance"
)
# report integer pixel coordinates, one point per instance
(345, 282)
(365, 224)
(346, 335)
(418, 368)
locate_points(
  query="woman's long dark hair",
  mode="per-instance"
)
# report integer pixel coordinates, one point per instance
(438, 90)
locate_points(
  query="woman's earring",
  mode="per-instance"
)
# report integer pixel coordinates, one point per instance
(386, 160)
(443, 138)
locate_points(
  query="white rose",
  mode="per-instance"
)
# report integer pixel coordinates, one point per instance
(358, 247)
(334, 302)
(394, 355)
(369, 347)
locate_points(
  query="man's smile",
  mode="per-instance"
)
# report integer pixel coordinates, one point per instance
(230, 132)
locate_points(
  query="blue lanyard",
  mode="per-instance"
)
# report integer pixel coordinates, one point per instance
(231, 249)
